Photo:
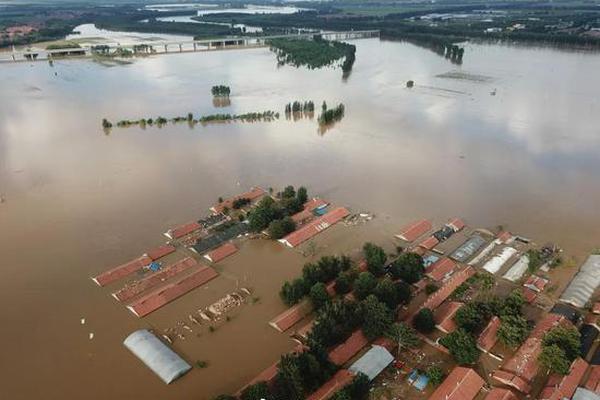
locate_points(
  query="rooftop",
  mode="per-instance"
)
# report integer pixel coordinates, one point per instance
(414, 230)
(461, 384)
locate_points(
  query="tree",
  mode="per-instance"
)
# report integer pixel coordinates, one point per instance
(281, 227)
(470, 318)
(318, 295)
(554, 359)
(262, 215)
(404, 335)
(408, 267)
(462, 346)
(292, 293)
(431, 288)
(392, 293)
(288, 192)
(358, 389)
(364, 285)
(566, 338)
(423, 321)
(344, 281)
(375, 257)
(513, 330)
(377, 318)
(302, 195)
(513, 304)
(288, 382)
(257, 391)
(435, 375)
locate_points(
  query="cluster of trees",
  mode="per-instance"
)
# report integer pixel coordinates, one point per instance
(455, 53)
(220, 91)
(323, 271)
(560, 347)
(313, 54)
(275, 215)
(247, 117)
(331, 115)
(472, 318)
(300, 107)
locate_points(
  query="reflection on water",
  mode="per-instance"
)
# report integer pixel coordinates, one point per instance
(78, 201)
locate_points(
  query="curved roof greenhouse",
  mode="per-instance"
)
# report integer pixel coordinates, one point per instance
(581, 288)
(157, 356)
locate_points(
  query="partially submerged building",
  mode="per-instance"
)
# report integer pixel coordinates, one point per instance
(518, 269)
(583, 285)
(438, 297)
(413, 231)
(444, 316)
(343, 352)
(341, 378)
(462, 384)
(441, 269)
(468, 248)
(588, 335)
(495, 263)
(489, 336)
(373, 362)
(157, 356)
(500, 394)
(252, 195)
(315, 227)
(560, 387)
(291, 316)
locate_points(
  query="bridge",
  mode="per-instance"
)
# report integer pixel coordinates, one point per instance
(172, 47)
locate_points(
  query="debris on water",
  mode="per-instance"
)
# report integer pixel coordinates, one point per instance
(493, 92)
(91, 335)
(168, 339)
(204, 315)
(194, 320)
(180, 336)
(187, 327)
(245, 291)
(82, 321)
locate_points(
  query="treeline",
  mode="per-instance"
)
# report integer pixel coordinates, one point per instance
(331, 115)
(299, 106)
(266, 116)
(313, 54)
(220, 91)
(275, 216)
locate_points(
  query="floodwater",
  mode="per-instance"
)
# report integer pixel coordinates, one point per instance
(77, 201)
(89, 34)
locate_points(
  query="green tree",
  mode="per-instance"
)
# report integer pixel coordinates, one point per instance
(392, 293)
(281, 227)
(344, 281)
(288, 192)
(403, 335)
(302, 195)
(513, 304)
(513, 330)
(377, 318)
(470, 318)
(262, 215)
(423, 321)
(375, 257)
(431, 288)
(435, 375)
(364, 285)
(258, 391)
(554, 359)
(288, 382)
(462, 346)
(292, 293)
(566, 338)
(318, 295)
(358, 389)
(408, 267)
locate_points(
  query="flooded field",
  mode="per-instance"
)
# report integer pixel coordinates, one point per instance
(77, 201)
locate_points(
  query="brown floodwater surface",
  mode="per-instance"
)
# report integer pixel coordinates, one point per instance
(78, 201)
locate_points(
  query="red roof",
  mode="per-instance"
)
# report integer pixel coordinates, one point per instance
(440, 269)
(330, 288)
(519, 370)
(456, 223)
(302, 216)
(304, 330)
(342, 378)
(444, 316)
(536, 283)
(500, 394)
(122, 270)
(429, 243)
(314, 203)
(504, 236)
(345, 351)
(170, 292)
(529, 295)
(291, 316)
(596, 308)
(488, 337)
(461, 384)
(253, 194)
(315, 227)
(267, 376)
(160, 252)
(412, 231)
(438, 297)
(593, 380)
(183, 230)
(387, 343)
(221, 252)
(559, 386)
(154, 279)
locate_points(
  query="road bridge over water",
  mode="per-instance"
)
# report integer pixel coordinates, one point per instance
(172, 47)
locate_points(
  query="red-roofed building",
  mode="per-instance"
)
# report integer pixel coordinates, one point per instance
(122, 271)
(444, 316)
(456, 223)
(536, 283)
(593, 381)
(529, 295)
(412, 231)
(596, 308)
(500, 394)
(342, 378)
(183, 230)
(520, 370)
(302, 217)
(252, 195)
(304, 330)
(560, 387)
(504, 237)
(291, 316)
(160, 252)
(268, 376)
(340, 354)
(438, 297)
(441, 269)
(314, 203)
(170, 292)
(221, 252)
(429, 243)
(387, 343)
(461, 384)
(488, 337)
(315, 227)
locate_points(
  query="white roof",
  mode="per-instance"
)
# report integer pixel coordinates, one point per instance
(583, 285)
(372, 362)
(163, 361)
(518, 269)
(584, 394)
(496, 262)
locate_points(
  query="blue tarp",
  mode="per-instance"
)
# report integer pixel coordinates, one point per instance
(419, 381)
(322, 210)
(154, 266)
(430, 259)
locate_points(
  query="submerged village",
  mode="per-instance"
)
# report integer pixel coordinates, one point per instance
(452, 312)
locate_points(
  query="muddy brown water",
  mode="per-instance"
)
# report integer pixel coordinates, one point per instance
(78, 201)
